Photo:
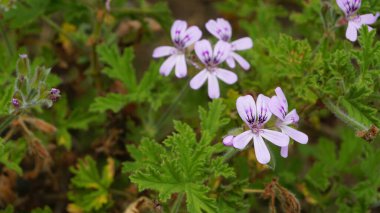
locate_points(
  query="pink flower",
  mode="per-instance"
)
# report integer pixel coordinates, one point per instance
(211, 59)
(182, 38)
(255, 115)
(222, 30)
(355, 21)
(279, 107)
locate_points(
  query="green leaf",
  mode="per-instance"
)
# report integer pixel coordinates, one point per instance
(181, 164)
(90, 186)
(111, 101)
(120, 66)
(11, 154)
(25, 13)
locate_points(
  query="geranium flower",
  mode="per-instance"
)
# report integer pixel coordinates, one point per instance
(211, 59)
(279, 107)
(182, 38)
(255, 115)
(228, 140)
(222, 30)
(355, 21)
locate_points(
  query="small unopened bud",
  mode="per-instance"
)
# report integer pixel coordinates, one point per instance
(227, 141)
(23, 56)
(54, 94)
(15, 102)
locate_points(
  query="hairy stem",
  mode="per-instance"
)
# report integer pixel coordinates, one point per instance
(343, 116)
(6, 122)
(252, 191)
(177, 203)
(229, 154)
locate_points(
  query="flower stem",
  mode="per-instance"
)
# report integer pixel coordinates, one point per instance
(251, 191)
(177, 203)
(230, 153)
(6, 122)
(172, 107)
(342, 115)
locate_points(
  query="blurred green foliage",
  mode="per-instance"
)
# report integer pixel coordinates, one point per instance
(121, 131)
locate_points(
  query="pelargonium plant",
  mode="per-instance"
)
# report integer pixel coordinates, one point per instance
(212, 59)
(355, 21)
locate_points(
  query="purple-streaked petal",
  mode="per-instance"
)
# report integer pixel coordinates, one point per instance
(261, 150)
(284, 151)
(163, 51)
(220, 28)
(241, 141)
(199, 79)
(226, 76)
(242, 44)
(213, 87)
(242, 62)
(228, 140)
(181, 68)
(246, 108)
(191, 35)
(177, 30)
(368, 18)
(263, 111)
(204, 51)
(168, 65)
(351, 33)
(341, 4)
(221, 52)
(276, 108)
(282, 98)
(296, 135)
(291, 118)
(277, 138)
(231, 62)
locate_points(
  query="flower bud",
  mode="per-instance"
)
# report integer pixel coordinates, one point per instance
(227, 141)
(15, 103)
(54, 94)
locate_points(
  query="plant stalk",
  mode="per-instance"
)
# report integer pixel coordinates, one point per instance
(177, 203)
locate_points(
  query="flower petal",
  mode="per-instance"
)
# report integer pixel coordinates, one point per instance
(231, 62)
(204, 51)
(221, 52)
(351, 33)
(261, 150)
(262, 109)
(241, 141)
(213, 87)
(291, 118)
(242, 62)
(168, 65)
(276, 108)
(220, 28)
(242, 44)
(284, 151)
(296, 135)
(281, 97)
(277, 138)
(226, 76)
(368, 18)
(181, 68)
(163, 51)
(177, 30)
(228, 140)
(246, 108)
(342, 5)
(191, 35)
(199, 79)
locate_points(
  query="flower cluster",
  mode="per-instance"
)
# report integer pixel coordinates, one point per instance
(355, 21)
(256, 115)
(30, 88)
(211, 58)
